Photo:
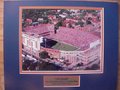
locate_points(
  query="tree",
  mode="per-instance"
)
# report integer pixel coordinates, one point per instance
(95, 67)
(44, 55)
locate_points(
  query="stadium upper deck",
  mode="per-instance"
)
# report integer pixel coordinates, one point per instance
(73, 37)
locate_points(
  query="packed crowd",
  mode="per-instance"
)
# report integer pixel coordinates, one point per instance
(75, 36)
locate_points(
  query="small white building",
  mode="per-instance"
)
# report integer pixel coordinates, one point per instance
(31, 43)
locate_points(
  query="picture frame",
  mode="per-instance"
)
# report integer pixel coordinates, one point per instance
(62, 62)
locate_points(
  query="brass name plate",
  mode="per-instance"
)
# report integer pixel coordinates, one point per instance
(61, 81)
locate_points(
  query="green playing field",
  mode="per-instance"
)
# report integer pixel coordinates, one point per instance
(63, 46)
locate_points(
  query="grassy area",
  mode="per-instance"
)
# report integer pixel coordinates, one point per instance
(65, 47)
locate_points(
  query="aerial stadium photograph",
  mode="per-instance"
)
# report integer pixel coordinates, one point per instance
(61, 40)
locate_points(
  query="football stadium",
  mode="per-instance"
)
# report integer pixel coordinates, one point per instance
(60, 40)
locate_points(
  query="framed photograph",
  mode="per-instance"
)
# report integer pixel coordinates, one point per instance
(63, 45)
(61, 40)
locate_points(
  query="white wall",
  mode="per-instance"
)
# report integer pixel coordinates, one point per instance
(93, 44)
(32, 40)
